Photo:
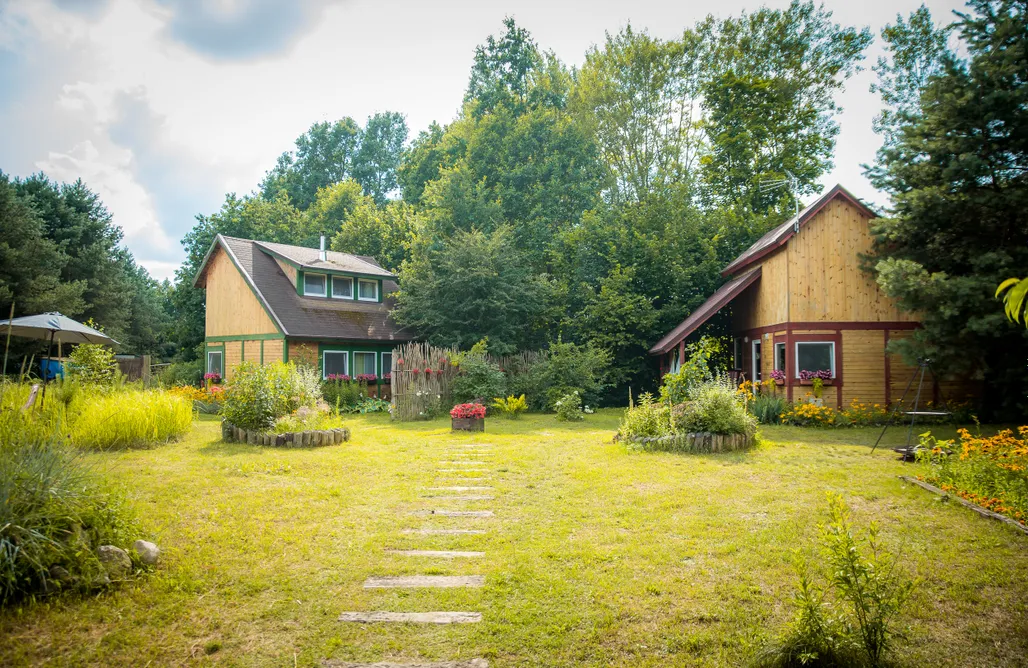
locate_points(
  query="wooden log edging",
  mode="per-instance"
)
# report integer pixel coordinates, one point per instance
(699, 442)
(984, 512)
(295, 439)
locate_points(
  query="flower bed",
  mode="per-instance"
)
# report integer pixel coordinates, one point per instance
(467, 417)
(990, 471)
(296, 439)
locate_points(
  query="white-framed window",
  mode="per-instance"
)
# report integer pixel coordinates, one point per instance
(815, 356)
(387, 363)
(342, 287)
(364, 363)
(755, 360)
(214, 362)
(314, 285)
(335, 362)
(367, 290)
(779, 357)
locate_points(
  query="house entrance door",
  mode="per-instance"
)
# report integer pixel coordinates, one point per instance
(755, 358)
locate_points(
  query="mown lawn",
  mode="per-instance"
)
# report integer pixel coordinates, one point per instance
(597, 555)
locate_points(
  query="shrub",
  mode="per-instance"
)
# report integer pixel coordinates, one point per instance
(258, 394)
(991, 471)
(512, 407)
(847, 621)
(468, 412)
(570, 368)
(479, 379)
(93, 363)
(181, 373)
(715, 408)
(307, 419)
(768, 408)
(694, 371)
(54, 513)
(342, 393)
(131, 419)
(569, 407)
(645, 419)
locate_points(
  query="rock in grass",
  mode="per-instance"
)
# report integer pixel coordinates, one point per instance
(147, 551)
(115, 561)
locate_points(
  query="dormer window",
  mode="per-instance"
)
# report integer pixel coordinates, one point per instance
(314, 285)
(342, 287)
(367, 291)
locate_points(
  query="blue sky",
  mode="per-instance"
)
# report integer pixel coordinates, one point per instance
(163, 106)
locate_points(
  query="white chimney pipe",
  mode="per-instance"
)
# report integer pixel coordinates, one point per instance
(323, 256)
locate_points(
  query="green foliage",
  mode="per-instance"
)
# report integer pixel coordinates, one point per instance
(645, 419)
(768, 408)
(714, 407)
(478, 380)
(131, 419)
(512, 407)
(344, 395)
(472, 286)
(849, 619)
(383, 233)
(93, 363)
(55, 512)
(569, 407)
(259, 394)
(698, 369)
(566, 368)
(941, 170)
(182, 373)
(1016, 299)
(307, 419)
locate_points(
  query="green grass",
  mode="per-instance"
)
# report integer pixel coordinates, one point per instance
(597, 555)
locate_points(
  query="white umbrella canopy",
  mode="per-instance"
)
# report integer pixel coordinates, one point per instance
(54, 327)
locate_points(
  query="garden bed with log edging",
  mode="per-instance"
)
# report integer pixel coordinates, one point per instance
(296, 439)
(701, 442)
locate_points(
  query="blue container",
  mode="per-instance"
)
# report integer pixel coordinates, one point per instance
(51, 369)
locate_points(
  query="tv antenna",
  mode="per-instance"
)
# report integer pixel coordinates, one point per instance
(789, 183)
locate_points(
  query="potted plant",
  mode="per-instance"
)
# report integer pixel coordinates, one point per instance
(467, 417)
(778, 376)
(808, 377)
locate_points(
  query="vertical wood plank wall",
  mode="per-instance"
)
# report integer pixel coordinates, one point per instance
(232, 308)
(288, 270)
(863, 358)
(273, 350)
(233, 356)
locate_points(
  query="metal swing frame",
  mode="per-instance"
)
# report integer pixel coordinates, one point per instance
(924, 364)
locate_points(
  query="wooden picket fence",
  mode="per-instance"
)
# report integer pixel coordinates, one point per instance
(419, 394)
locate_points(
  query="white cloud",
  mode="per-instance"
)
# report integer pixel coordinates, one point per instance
(157, 110)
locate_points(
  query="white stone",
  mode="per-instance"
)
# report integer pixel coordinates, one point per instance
(445, 532)
(438, 554)
(419, 581)
(468, 663)
(468, 497)
(147, 551)
(413, 617)
(456, 513)
(480, 488)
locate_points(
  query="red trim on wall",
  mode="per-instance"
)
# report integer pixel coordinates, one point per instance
(888, 373)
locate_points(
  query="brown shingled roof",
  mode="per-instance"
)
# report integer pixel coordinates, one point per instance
(314, 317)
(310, 258)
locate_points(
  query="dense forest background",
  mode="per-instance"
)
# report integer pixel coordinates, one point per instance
(598, 204)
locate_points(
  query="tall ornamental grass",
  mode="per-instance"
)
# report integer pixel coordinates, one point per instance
(54, 512)
(131, 419)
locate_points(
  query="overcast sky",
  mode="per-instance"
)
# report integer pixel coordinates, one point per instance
(163, 106)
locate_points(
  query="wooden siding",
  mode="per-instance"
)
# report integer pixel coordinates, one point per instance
(825, 279)
(306, 351)
(863, 362)
(763, 303)
(273, 350)
(233, 356)
(232, 308)
(287, 269)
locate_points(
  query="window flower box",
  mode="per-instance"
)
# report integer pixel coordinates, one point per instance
(467, 417)
(827, 382)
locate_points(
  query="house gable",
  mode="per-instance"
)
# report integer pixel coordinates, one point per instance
(232, 307)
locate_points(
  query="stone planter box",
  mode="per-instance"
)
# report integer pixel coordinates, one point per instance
(296, 439)
(701, 442)
(467, 424)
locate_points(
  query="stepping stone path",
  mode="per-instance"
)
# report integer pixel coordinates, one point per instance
(463, 451)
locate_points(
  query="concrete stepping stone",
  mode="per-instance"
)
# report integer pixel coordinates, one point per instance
(462, 470)
(420, 581)
(438, 554)
(464, 663)
(470, 445)
(456, 513)
(479, 488)
(464, 463)
(466, 497)
(413, 617)
(464, 479)
(445, 532)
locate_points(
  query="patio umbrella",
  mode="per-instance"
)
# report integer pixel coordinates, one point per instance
(55, 327)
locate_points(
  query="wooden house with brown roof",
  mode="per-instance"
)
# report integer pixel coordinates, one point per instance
(267, 301)
(800, 302)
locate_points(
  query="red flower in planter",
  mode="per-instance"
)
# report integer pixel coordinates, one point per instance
(415, 371)
(468, 411)
(428, 371)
